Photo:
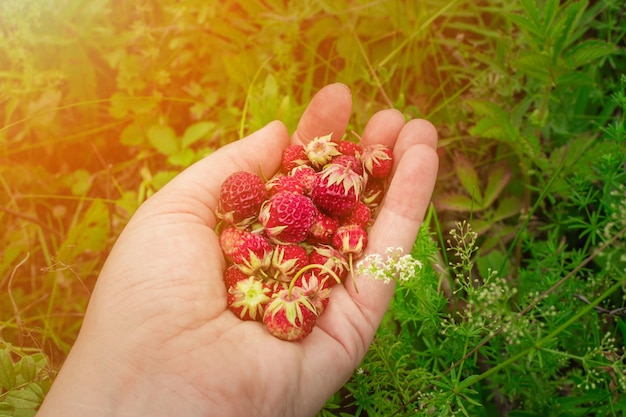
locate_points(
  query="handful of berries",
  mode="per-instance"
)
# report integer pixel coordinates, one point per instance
(289, 240)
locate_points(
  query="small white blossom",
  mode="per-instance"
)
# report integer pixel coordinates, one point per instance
(395, 266)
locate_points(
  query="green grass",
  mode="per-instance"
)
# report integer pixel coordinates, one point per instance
(519, 312)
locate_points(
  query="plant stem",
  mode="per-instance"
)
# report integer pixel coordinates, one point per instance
(541, 342)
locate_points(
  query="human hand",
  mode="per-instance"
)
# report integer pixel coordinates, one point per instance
(157, 338)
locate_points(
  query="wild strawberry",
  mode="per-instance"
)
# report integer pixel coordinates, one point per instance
(290, 315)
(232, 275)
(361, 215)
(315, 289)
(241, 196)
(350, 240)
(306, 176)
(323, 229)
(293, 156)
(337, 190)
(373, 193)
(320, 150)
(349, 161)
(287, 217)
(250, 251)
(377, 160)
(350, 148)
(330, 259)
(247, 298)
(287, 260)
(281, 183)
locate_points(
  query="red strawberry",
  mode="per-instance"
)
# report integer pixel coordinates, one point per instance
(306, 175)
(347, 147)
(241, 196)
(290, 315)
(281, 183)
(287, 217)
(373, 193)
(247, 298)
(361, 215)
(349, 161)
(323, 229)
(320, 150)
(287, 260)
(316, 289)
(329, 258)
(350, 240)
(250, 251)
(337, 190)
(377, 160)
(232, 275)
(293, 156)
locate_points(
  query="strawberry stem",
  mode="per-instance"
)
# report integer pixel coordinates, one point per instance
(352, 272)
(309, 267)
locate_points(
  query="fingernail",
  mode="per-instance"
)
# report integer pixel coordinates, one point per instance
(345, 86)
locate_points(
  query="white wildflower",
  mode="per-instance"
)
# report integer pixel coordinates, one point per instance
(395, 266)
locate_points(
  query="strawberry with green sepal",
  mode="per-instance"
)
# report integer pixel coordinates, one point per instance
(246, 249)
(337, 190)
(293, 156)
(316, 288)
(247, 298)
(373, 193)
(306, 176)
(377, 160)
(287, 217)
(281, 182)
(232, 275)
(349, 161)
(320, 150)
(323, 229)
(351, 241)
(287, 260)
(290, 315)
(241, 196)
(330, 259)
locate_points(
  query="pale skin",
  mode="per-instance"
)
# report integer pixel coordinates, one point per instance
(157, 338)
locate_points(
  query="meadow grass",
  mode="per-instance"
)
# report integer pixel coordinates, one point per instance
(519, 308)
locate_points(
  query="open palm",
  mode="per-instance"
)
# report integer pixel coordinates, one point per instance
(158, 339)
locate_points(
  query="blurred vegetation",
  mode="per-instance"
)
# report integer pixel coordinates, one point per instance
(520, 310)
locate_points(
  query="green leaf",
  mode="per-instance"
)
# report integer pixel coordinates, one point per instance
(24, 398)
(7, 370)
(88, 234)
(456, 202)
(80, 182)
(498, 178)
(534, 64)
(161, 178)
(132, 135)
(468, 176)
(195, 132)
(27, 368)
(182, 158)
(532, 11)
(524, 23)
(588, 51)
(24, 412)
(163, 139)
(508, 206)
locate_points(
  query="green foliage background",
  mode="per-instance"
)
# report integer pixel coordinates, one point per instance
(518, 312)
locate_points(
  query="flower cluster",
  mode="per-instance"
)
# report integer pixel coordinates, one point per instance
(394, 266)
